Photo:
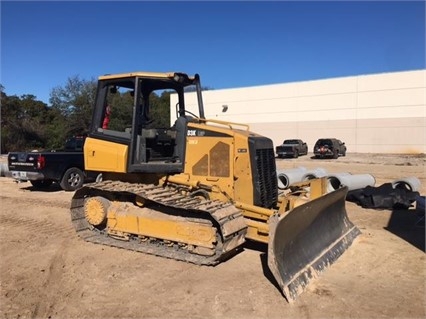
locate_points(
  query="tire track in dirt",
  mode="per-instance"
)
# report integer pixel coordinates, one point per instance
(54, 279)
(57, 227)
(43, 226)
(40, 226)
(37, 202)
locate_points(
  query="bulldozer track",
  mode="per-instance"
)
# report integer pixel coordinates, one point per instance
(227, 219)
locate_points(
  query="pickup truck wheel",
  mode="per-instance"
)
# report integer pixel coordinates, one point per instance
(73, 179)
(296, 154)
(41, 184)
(336, 154)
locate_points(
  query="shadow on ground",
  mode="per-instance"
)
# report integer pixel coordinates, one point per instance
(263, 249)
(408, 225)
(51, 189)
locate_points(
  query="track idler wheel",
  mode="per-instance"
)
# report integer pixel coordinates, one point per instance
(95, 210)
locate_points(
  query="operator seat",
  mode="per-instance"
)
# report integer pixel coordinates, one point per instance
(181, 127)
(181, 130)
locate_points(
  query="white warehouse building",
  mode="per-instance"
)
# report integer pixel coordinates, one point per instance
(378, 113)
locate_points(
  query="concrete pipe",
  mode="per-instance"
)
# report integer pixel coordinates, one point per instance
(289, 176)
(411, 183)
(334, 180)
(316, 173)
(3, 169)
(355, 181)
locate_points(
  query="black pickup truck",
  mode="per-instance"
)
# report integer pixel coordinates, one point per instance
(292, 148)
(65, 166)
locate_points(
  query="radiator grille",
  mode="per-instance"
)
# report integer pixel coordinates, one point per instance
(266, 178)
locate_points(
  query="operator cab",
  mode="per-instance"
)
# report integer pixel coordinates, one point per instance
(127, 112)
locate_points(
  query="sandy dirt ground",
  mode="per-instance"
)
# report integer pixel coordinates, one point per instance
(48, 272)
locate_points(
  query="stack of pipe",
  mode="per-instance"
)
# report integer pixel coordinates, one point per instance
(289, 176)
(352, 181)
(316, 173)
(411, 183)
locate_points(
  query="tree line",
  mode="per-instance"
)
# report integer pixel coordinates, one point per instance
(27, 123)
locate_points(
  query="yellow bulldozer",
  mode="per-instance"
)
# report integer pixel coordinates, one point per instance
(197, 190)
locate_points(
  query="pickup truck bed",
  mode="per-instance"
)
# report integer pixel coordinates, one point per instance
(292, 148)
(44, 168)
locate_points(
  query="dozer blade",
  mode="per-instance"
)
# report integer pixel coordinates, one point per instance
(304, 242)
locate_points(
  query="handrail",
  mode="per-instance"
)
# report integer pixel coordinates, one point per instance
(225, 123)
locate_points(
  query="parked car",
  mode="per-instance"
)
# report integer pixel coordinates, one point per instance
(65, 166)
(292, 148)
(329, 147)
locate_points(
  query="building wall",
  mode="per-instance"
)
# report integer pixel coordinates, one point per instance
(379, 113)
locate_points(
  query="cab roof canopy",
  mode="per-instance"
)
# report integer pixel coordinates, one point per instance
(178, 76)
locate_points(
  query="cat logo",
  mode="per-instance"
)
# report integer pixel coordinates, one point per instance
(192, 133)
